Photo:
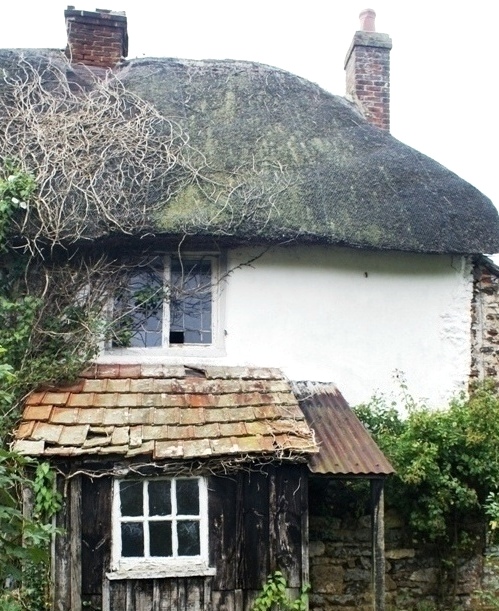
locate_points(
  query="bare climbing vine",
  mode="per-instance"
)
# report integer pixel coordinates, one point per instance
(105, 160)
(100, 155)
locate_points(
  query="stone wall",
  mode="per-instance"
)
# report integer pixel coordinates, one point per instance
(340, 564)
(485, 321)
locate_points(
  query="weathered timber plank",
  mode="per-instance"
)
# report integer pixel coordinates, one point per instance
(195, 595)
(255, 541)
(62, 555)
(290, 504)
(96, 533)
(142, 595)
(117, 596)
(378, 543)
(75, 542)
(223, 530)
(223, 601)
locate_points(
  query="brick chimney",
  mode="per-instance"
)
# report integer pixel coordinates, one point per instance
(96, 38)
(367, 67)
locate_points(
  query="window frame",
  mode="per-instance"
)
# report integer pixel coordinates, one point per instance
(215, 348)
(147, 566)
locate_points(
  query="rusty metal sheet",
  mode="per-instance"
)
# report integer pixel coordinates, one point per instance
(345, 446)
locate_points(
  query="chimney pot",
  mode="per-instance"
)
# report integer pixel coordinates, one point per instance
(367, 20)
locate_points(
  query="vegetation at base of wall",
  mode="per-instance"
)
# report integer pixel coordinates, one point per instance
(273, 596)
(447, 470)
(36, 344)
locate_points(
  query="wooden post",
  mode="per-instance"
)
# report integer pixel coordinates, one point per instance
(378, 544)
(75, 542)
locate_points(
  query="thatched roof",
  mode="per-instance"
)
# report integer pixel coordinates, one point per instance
(282, 159)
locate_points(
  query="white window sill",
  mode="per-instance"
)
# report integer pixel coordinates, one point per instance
(150, 355)
(157, 571)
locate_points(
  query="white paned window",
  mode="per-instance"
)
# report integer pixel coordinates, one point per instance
(170, 304)
(160, 525)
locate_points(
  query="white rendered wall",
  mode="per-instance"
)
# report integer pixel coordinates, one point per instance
(352, 317)
(355, 318)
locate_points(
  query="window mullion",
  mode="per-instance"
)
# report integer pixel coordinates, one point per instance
(166, 302)
(174, 519)
(145, 522)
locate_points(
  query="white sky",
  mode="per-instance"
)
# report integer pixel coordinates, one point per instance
(444, 61)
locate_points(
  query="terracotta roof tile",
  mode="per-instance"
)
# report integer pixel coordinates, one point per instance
(128, 399)
(192, 416)
(208, 431)
(89, 415)
(94, 385)
(97, 442)
(216, 415)
(37, 412)
(73, 435)
(229, 429)
(109, 371)
(141, 385)
(29, 446)
(35, 398)
(197, 448)
(144, 448)
(180, 432)
(240, 414)
(257, 427)
(155, 431)
(115, 416)
(64, 415)
(127, 371)
(167, 412)
(119, 385)
(25, 429)
(169, 415)
(114, 449)
(106, 399)
(47, 432)
(168, 449)
(81, 399)
(55, 398)
(200, 400)
(141, 415)
(120, 436)
(135, 437)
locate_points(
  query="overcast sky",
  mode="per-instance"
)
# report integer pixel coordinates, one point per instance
(444, 61)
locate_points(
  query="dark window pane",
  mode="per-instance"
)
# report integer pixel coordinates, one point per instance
(138, 310)
(191, 302)
(187, 497)
(160, 503)
(131, 498)
(160, 535)
(132, 539)
(188, 538)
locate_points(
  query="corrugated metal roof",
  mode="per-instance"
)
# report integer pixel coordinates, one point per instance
(345, 446)
(167, 412)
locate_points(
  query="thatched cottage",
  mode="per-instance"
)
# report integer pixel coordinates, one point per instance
(289, 243)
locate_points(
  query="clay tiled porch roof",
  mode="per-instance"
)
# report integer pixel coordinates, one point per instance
(167, 412)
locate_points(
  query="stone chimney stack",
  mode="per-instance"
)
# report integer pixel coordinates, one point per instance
(367, 67)
(96, 38)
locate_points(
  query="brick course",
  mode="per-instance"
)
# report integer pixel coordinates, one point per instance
(96, 39)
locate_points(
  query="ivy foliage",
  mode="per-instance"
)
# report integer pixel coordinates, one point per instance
(446, 461)
(273, 596)
(35, 346)
(49, 320)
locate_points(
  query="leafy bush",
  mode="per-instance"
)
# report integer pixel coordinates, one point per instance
(273, 596)
(446, 461)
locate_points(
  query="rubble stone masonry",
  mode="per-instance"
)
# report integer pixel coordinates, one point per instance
(485, 321)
